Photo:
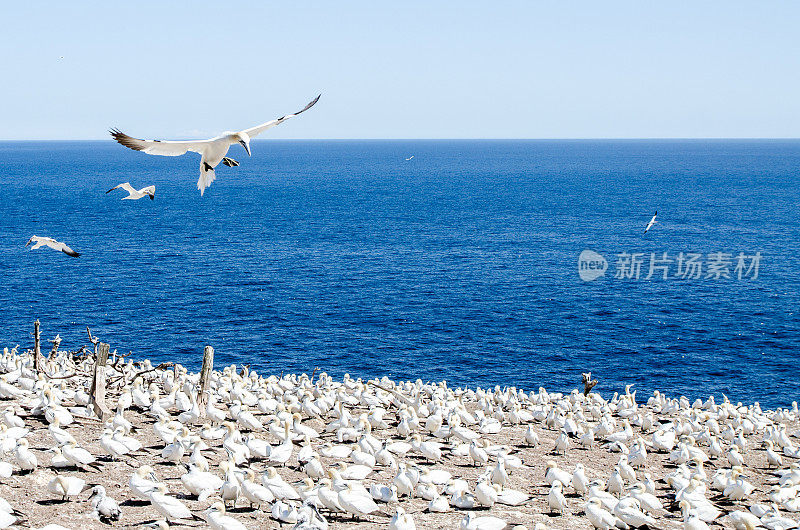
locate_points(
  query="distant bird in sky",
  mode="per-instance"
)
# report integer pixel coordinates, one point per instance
(52, 243)
(651, 223)
(134, 194)
(213, 150)
(409, 158)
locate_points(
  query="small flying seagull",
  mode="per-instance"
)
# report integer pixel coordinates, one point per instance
(651, 223)
(213, 150)
(52, 243)
(134, 194)
(409, 158)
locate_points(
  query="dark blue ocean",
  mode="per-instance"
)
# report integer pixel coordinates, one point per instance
(460, 264)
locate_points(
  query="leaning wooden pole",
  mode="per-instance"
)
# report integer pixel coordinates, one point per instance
(205, 377)
(36, 347)
(98, 388)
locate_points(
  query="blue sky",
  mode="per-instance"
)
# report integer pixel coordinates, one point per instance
(402, 70)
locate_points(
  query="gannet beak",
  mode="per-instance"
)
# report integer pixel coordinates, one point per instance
(246, 147)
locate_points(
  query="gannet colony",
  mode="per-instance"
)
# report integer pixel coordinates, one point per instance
(311, 452)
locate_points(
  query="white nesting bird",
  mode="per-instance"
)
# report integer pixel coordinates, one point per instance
(106, 508)
(555, 498)
(212, 150)
(401, 520)
(628, 510)
(579, 480)
(134, 194)
(39, 242)
(78, 456)
(488, 522)
(284, 512)
(599, 516)
(383, 493)
(170, 507)
(278, 486)
(218, 520)
(255, 493)
(142, 481)
(66, 486)
(200, 482)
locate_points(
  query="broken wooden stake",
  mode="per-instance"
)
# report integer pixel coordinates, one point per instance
(36, 347)
(205, 378)
(98, 388)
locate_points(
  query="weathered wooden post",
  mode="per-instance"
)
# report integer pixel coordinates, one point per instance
(205, 377)
(588, 383)
(36, 346)
(98, 388)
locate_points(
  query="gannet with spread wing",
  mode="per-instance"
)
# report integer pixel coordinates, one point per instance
(651, 223)
(213, 150)
(52, 243)
(134, 194)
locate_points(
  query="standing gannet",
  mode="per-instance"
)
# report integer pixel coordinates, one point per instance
(651, 223)
(555, 498)
(356, 502)
(24, 458)
(213, 150)
(134, 194)
(40, 242)
(255, 493)
(78, 456)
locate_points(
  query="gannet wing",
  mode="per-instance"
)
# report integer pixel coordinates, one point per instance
(258, 129)
(148, 189)
(125, 186)
(66, 250)
(159, 147)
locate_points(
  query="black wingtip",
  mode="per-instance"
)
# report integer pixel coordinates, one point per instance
(124, 139)
(311, 104)
(73, 253)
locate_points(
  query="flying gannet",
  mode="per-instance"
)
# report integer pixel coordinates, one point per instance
(651, 223)
(52, 243)
(213, 150)
(134, 194)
